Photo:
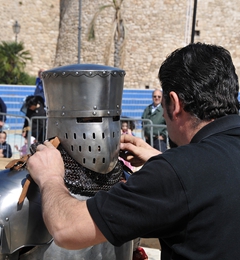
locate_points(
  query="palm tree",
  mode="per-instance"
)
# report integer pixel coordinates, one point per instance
(117, 35)
(13, 59)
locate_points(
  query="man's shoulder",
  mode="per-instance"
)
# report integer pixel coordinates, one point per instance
(146, 110)
(148, 107)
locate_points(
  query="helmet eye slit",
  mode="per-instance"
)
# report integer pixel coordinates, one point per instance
(89, 120)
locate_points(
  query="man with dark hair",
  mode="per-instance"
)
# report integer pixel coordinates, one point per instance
(188, 197)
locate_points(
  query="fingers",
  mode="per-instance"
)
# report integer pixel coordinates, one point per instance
(135, 161)
(129, 142)
(135, 150)
(46, 143)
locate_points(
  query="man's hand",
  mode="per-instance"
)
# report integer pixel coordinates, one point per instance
(136, 150)
(46, 164)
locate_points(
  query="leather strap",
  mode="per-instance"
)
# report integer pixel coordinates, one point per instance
(20, 163)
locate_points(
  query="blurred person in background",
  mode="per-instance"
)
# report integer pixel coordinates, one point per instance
(5, 148)
(35, 108)
(154, 112)
(39, 91)
(3, 109)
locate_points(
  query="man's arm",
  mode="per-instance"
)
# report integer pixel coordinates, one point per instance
(66, 218)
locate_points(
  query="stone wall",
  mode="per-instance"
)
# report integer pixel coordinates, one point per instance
(154, 29)
(39, 21)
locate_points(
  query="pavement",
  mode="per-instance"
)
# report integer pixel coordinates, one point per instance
(153, 253)
(152, 248)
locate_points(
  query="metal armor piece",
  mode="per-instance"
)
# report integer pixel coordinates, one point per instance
(23, 235)
(20, 225)
(83, 109)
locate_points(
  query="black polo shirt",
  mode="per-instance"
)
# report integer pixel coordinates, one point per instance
(188, 197)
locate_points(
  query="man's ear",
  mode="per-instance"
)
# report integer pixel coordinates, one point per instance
(175, 104)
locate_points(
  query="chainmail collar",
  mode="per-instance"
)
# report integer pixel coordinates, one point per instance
(85, 182)
(80, 180)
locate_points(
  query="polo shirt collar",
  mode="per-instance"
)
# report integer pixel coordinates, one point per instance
(219, 125)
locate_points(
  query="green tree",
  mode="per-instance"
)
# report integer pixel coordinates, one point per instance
(13, 60)
(117, 34)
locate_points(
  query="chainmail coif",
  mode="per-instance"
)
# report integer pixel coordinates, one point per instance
(80, 180)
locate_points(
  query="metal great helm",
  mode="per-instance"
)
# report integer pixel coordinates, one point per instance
(83, 110)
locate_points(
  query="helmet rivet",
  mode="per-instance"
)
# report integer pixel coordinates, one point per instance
(94, 113)
(63, 73)
(108, 112)
(117, 106)
(117, 112)
(76, 72)
(95, 107)
(63, 113)
(63, 107)
(7, 219)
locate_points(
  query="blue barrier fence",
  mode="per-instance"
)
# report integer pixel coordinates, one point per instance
(133, 103)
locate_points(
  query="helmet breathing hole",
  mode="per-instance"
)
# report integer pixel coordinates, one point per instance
(94, 136)
(94, 160)
(103, 135)
(103, 160)
(72, 148)
(89, 148)
(79, 148)
(66, 135)
(84, 136)
(113, 134)
(84, 160)
(99, 148)
(74, 136)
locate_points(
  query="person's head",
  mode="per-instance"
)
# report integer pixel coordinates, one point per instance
(3, 136)
(124, 126)
(157, 97)
(203, 78)
(130, 123)
(40, 73)
(33, 101)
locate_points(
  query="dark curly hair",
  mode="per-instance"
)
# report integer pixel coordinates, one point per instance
(204, 78)
(33, 100)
